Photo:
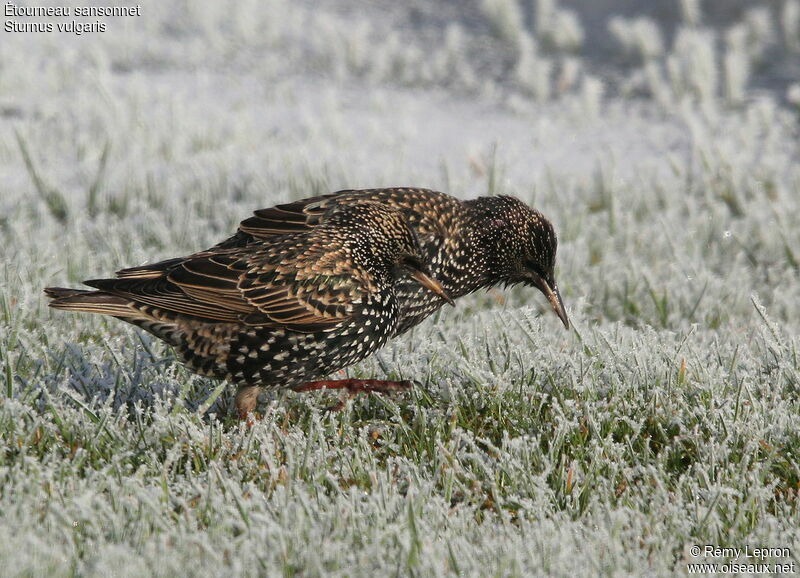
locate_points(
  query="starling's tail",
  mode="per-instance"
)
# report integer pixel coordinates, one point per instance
(105, 303)
(89, 301)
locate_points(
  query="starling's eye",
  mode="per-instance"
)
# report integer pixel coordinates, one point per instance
(537, 269)
(412, 262)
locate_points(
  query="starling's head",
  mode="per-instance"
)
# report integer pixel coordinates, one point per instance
(385, 244)
(520, 246)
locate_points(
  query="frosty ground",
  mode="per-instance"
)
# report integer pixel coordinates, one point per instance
(662, 144)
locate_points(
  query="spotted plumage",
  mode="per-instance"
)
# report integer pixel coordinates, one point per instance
(276, 311)
(469, 245)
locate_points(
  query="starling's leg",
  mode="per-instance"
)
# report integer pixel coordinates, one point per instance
(246, 399)
(354, 387)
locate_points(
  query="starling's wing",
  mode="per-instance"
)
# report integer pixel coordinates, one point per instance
(151, 270)
(316, 291)
(203, 287)
(312, 290)
(289, 218)
(426, 212)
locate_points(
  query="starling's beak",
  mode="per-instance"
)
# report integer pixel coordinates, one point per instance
(554, 297)
(429, 283)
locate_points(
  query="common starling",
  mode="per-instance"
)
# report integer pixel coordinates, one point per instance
(275, 312)
(469, 245)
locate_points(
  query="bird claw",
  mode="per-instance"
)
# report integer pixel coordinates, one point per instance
(248, 418)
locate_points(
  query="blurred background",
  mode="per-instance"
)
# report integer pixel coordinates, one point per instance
(366, 93)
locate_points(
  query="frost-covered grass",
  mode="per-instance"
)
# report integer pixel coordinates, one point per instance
(670, 416)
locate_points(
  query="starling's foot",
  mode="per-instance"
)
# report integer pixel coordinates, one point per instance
(246, 400)
(247, 418)
(354, 387)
